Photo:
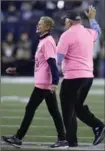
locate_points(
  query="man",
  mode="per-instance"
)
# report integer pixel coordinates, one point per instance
(75, 49)
(46, 80)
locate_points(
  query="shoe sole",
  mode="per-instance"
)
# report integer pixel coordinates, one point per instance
(9, 143)
(100, 139)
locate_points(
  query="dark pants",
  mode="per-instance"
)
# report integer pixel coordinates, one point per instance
(73, 94)
(38, 95)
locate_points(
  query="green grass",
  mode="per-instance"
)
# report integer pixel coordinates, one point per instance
(17, 108)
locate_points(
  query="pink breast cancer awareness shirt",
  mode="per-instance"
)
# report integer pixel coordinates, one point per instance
(42, 74)
(76, 44)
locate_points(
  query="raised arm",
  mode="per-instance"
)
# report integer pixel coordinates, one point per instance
(95, 26)
(93, 23)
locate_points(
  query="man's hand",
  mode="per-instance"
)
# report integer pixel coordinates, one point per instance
(11, 70)
(91, 14)
(53, 87)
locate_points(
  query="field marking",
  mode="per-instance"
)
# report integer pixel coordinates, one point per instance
(23, 104)
(41, 146)
(25, 99)
(46, 148)
(46, 136)
(19, 117)
(38, 118)
(38, 126)
(94, 110)
(50, 143)
(46, 143)
(39, 111)
(30, 80)
(96, 92)
(39, 136)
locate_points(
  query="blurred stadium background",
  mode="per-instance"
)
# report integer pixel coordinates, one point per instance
(18, 44)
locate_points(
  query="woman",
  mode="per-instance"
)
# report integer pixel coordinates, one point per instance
(46, 80)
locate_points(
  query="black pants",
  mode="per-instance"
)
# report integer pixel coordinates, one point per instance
(38, 95)
(73, 94)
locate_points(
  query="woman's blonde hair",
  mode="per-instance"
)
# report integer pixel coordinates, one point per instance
(48, 21)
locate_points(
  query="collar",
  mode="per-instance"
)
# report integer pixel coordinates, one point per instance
(44, 36)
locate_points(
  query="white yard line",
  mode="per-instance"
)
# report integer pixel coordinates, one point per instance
(20, 117)
(15, 126)
(39, 136)
(45, 143)
(30, 80)
(96, 92)
(46, 136)
(45, 146)
(42, 111)
(23, 104)
(38, 118)
(25, 99)
(38, 126)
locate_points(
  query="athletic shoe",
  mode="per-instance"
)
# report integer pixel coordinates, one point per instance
(12, 140)
(60, 144)
(99, 135)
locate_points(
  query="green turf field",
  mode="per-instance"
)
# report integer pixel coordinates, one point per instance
(42, 129)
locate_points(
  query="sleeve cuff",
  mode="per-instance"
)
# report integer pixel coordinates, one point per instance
(92, 21)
